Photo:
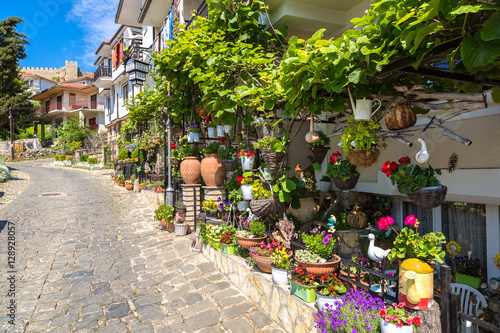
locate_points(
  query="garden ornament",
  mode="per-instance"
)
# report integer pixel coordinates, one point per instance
(362, 110)
(423, 155)
(376, 253)
(312, 136)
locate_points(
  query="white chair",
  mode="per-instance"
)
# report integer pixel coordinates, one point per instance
(466, 305)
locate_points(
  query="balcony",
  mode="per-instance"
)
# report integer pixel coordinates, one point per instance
(102, 77)
(70, 107)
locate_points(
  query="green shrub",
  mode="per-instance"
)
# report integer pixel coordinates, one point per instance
(84, 157)
(73, 130)
(142, 155)
(122, 155)
(69, 158)
(92, 160)
(61, 158)
(164, 212)
(135, 154)
(4, 173)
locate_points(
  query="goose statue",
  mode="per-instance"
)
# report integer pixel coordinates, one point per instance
(376, 253)
(423, 155)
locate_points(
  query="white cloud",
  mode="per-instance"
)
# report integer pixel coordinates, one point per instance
(97, 20)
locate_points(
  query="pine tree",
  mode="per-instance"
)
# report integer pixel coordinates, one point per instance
(13, 91)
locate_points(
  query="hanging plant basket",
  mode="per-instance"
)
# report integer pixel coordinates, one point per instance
(319, 153)
(229, 165)
(263, 207)
(175, 162)
(272, 159)
(429, 197)
(347, 184)
(263, 130)
(361, 159)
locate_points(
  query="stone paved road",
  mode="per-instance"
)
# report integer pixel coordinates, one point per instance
(93, 260)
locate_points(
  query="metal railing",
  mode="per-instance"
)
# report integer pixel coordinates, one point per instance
(70, 107)
(202, 11)
(102, 71)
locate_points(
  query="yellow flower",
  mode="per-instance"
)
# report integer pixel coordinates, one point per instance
(497, 260)
(453, 248)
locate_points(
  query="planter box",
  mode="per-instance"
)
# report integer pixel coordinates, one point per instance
(214, 242)
(471, 281)
(308, 294)
(228, 249)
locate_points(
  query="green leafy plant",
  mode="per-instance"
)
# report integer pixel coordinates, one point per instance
(325, 178)
(92, 160)
(164, 212)
(122, 155)
(227, 153)
(257, 228)
(468, 266)
(330, 285)
(72, 131)
(340, 167)
(235, 195)
(322, 245)
(142, 155)
(276, 145)
(84, 157)
(211, 148)
(288, 190)
(323, 141)
(410, 177)
(307, 256)
(360, 135)
(135, 154)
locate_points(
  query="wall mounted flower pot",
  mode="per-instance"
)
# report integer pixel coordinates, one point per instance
(308, 294)
(263, 207)
(363, 159)
(319, 153)
(280, 276)
(247, 162)
(250, 242)
(193, 137)
(347, 184)
(190, 170)
(220, 131)
(471, 281)
(272, 159)
(332, 301)
(247, 192)
(321, 268)
(211, 132)
(429, 197)
(228, 129)
(228, 249)
(243, 205)
(229, 165)
(212, 171)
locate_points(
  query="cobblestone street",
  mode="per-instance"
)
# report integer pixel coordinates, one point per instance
(93, 260)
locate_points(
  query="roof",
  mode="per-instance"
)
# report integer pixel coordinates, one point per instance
(83, 77)
(42, 77)
(73, 85)
(61, 87)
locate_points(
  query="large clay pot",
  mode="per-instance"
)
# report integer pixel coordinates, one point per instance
(308, 208)
(191, 170)
(229, 165)
(250, 242)
(322, 268)
(264, 263)
(212, 171)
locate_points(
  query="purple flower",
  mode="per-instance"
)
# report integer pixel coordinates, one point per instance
(323, 233)
(326, 240)
(315, 231)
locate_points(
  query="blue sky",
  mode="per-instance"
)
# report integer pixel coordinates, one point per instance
(60, 30)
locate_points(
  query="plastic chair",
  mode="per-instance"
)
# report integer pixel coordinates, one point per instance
(466, 305)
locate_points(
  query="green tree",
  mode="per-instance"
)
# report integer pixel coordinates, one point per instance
(72, 131)
(13, 91)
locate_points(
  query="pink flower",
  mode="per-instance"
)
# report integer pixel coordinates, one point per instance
(385, 222)
(326, 240)
(411, 220)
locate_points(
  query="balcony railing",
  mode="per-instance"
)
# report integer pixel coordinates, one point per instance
(70, 107)
(102, 72)
(94, 127)
(201, 11)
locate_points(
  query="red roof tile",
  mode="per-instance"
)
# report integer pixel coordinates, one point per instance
(73, 85)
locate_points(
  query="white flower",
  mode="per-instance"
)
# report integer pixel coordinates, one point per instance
(353, 143)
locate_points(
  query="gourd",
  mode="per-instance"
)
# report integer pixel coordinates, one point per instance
(399, 117)
(357, 219)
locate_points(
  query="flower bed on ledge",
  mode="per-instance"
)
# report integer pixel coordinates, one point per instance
(291, 312)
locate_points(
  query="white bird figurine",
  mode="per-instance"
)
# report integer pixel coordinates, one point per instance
(376, 253)
(423, 155)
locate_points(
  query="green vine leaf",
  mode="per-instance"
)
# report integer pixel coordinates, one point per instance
(476, 52)
(491, 28)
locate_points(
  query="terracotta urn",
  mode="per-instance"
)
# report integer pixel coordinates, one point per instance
(250, 242)
(191, 170)
(320, 269)
(212, 171)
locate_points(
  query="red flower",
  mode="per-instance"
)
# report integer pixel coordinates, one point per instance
(250, 154)
(416, 320)
(386, 168)
(383, 312)
(394, 166)
(404, 160)
(223, 139)
(239, 179)
(334, 157)
(399, 324)
(173, 146)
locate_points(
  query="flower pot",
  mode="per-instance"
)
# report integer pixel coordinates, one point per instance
(429, 197)
(224, 215)
(129, 187)
(190, 170)
(220, 131)
(361, 158)
(121, 183)
(212, 171)
(136, 159)
(214, 242)
(319, 153)
(129, 163)
(392, 328)
(324, 186)
(247, 162)
(211, 132)
(158, 189)
(247, 192)
(273, 160)
(193, 137)
(181, 211)
(321, 268)
(332, 301)
(211, 213)
(416, 288)
(250, 242)
(308, 208)
(264, 263)
(229, 174)
(243, 205)
(228, 249)
(169, 226)
(280, 276)
(181, 228)
(347, 184)
(351, 276)
(471, 281)
(308, 294)
(228, 129)
(229, 165)
(263, 207)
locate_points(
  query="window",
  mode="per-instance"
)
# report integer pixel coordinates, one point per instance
(424, 217)
(59, 102)
(465, 223)
(125, 93)
(72, 99)
(108, 105)
(93, 102)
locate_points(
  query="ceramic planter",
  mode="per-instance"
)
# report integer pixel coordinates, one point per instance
(249, 242)
(169, 226)
(159, 189)
(416, 284)
(228, 249)
(229, 165)
(129, 187)
(320, 269)
(324, 186)
(332, 301)
(211, 132)
(220, 131)
(212, 171)
(247, 192)
(264, 263)
(243, 205)
(190, 170)
(193, 137)
(280, 276)
(214, 242)
(391, 328)
(181, 228)
(471, 281)
(121, 183)
(307, 294)
(228, 129)
(247, 162)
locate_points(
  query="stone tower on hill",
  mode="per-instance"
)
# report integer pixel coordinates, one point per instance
(70, 71)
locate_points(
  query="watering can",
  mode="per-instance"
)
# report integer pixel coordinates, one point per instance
(363, 108)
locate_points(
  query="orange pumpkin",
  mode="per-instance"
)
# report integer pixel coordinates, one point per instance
(399, 117)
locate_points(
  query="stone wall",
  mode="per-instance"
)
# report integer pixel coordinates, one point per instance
(94, 143)
(37, 153)
(69, 71)
(289, 311)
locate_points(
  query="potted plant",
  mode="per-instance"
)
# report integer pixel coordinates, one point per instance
(210, 208)
(193, 132)
(251, 232)
(228, 240)
(213, 233)
(325, 183)
(421, 185)
(129, 182)
(211, 129)
(263, 202)
(158, 184)
(121, 180)
(272, 151)
(282, 261)
(395, 319)
(235, 195)
(468, 271)
(345, 175)
(212, 172)
(227, 155)
(303, 284)
(180, 208)
(201, 218)
(359, 312)
(246, 181)
(224, 208)
(177, 155)
(320, 147)
(135, 155)
(181, 225)
(318, 259)
(247, 159)
(261, 254)
(359, 142)
(122, 156)
(330, 291)
(165, 214)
